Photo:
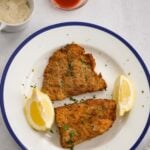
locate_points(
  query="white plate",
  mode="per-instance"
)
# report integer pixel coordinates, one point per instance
(114, 56)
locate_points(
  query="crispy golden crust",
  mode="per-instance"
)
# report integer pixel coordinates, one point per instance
(70, 72)
(83, 121)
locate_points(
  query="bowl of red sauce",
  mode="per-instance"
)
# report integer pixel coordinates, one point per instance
(68, 4)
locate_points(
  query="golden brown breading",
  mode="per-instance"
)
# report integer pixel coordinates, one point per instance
(83, 121)
(71, 72)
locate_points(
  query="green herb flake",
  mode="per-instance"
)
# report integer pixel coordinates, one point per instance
(51, 131)
(82, 100)
(129, 73)
(71, 134)
(25, 97)
(73, 99)
(71, 148)
(70, 70)
(94, 96)
(70, 142)
(83, 62)
(65, 104)
(82, 122)
(106, 65)
(66, 127)
(70, 66)
(62, 84)
(33, 70)
(142, 91)
(33, 86)
(86, 78)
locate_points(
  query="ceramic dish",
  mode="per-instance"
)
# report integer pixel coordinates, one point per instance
(9, 27)
(114, 56)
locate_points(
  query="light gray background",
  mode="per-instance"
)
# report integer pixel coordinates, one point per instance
(128, 18)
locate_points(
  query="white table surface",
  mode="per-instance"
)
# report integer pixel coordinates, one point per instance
(128, 18)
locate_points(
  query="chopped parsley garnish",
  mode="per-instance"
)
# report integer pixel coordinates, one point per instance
(73, 99)
(33, 86)
(71, 134)
(106, 65)
(129, 73)
(70, 69)
(66, 127)
(70, 141)
(62, 84)
(65, 104)
(82, 100)
(142, 91)
(25, 96)
(82, 122)
(71, 148)
(94, 96)
(51, 131)
(83, 62)
(86, 78)
(70, 66)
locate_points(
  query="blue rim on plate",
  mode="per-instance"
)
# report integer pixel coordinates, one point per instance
(57, 26)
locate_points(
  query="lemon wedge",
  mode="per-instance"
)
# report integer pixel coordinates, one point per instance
(39, 111)
(124, 94)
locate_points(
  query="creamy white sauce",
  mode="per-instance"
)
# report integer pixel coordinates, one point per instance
(14, 11)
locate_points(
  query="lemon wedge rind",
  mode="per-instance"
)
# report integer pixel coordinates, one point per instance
(39, 111)
(124, 94)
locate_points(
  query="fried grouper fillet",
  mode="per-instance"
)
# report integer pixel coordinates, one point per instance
(70, 72)
(83, 121)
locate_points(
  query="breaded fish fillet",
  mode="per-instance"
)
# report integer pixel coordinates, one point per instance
(83, 121)
(71, 72)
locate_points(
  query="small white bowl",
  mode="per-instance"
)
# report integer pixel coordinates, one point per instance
(18, 26)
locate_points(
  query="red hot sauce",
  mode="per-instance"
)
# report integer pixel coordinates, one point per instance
(69, 4)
